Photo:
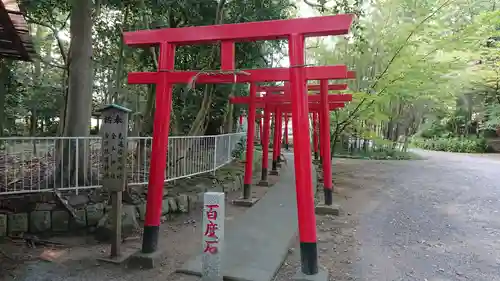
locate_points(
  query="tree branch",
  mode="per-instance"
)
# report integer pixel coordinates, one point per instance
(55, 32)
(400, 48)
(314, 5)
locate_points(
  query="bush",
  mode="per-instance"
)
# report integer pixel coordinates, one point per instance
(239, 148)
(467, 145)
(381, 153)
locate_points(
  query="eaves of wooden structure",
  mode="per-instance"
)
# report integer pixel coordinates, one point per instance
(15, 38)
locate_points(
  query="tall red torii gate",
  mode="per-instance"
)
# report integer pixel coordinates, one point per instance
(165, 77)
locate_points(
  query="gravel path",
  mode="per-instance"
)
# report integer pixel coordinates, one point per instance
(434, 219)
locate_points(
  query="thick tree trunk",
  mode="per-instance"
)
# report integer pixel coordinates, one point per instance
(4, 83)
(79, 99)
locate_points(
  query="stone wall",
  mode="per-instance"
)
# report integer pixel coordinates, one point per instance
(45, 214)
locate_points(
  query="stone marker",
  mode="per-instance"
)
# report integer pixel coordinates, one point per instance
(114, 131)
(17, 223)
(40, 221)
(94, 213)
(3, 225)
(60, 221)
(213, 236)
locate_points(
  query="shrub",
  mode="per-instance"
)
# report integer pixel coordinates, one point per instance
(239, 148)
(468, 145)
(381, 153)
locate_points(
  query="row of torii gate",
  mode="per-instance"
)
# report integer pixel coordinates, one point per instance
(291, 98)
(276, 100)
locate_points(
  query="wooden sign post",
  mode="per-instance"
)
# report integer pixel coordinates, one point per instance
(114, 146)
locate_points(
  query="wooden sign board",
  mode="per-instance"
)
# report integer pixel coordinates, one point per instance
(114, 146)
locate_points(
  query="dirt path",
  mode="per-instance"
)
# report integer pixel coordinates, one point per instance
(434, 219)
(181, 236)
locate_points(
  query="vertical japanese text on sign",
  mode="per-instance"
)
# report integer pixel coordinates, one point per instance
(211, 228)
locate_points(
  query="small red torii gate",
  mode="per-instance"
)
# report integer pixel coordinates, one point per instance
(295, 30)
(285, 98)
(321, 103)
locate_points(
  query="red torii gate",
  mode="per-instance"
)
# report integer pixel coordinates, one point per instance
(165, 77)
(253, 102)
(284, 98)
(314, 108)
(280, 104)
(310, 87)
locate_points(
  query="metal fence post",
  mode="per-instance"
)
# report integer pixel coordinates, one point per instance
(229, 150)
(215, 153)
(77, 170)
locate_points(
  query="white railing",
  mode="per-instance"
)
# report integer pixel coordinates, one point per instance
(41, 164)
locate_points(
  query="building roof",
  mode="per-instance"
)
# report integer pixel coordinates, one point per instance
(15, 38)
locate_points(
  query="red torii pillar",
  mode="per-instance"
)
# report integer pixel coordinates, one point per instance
(242, 115)
(325, 140)
(247, 180)
(265, 147)
(286, 131)
(260, 117)
(315, 134)
(261, 134)
(295, 31)
(276, 141)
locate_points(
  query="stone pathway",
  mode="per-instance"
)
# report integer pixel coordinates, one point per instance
(257, 242)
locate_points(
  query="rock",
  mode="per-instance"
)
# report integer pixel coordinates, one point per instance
(94, 213)
(172, 205)
(186, 186)
(201, 187)
(98, 196)
(60, 221)
(132, 197)
(239, 182)
(104, 230)
(81, 219)
(227, 186)
(78, 200)
(3, 225)
(200, 196)
(193, 200)
(45, 207)
(141, 211)
(236, 184)
(183, 203)
(17, 223)
(164, 206)
(40, 221)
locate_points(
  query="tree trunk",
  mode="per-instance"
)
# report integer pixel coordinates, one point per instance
(228, 124)
(118, 98)
(4, 83)
(79, 99)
